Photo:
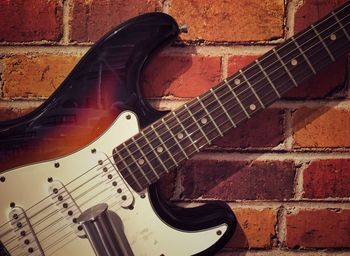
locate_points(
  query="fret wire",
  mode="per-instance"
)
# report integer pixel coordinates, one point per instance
(155, 153)
(341, 25)
(137, 164)
(208, 114)
(168, 128)
(268, 78)
(251, 87)
(223, 108)
(303, 54)
(238, 100)
(323, 43)
(165, 146)
(144, 156)
(211, 116)
(128, 168)
(285, 67)
(179, 122)
(200, 128)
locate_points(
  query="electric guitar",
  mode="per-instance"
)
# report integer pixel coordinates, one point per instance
(96, 140)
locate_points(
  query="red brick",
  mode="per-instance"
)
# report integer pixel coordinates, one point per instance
(12, 113)
(30, 20)
(321, 127)
(321, 228)
(35, 76)
(255, 228)
(241, 21)
(327, 178)
(264, 130)
(236, 62)
(93, 18)
(181, 76)
(312, 11)
(238, 180)
(323, 85)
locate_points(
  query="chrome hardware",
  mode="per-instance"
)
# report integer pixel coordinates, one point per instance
(106, 237)
(183, 29)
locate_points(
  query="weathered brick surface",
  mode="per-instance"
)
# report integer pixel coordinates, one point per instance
(264, 130)
(235, 180)
(236, 62)
(92, 19)
(255, 228)
(312, 11)
(12, 113)
(321, 127)
(319, 228)
(247, 20)
(35, 76)
(181, 76)
(331, 83)
(30, 20)
(327, 178)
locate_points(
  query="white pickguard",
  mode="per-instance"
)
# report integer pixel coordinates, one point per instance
(147, 234)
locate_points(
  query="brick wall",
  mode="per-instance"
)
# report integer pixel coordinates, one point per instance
(285, 173)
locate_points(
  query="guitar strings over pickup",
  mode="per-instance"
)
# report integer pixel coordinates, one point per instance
(24, 231)
(66, 206)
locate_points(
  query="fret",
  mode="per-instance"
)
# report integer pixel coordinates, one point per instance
(140, 161)
(155, 152)
(188, 136)
(209, 114)
(268, 78)
(129, 171)
(323, 43)
(286, 68)
(251, 87)
(137, 164)
(303, 54)
(341, 25)
(238, 100)
(164, 145)
(223, 108)
(173, 135)
(199, 127)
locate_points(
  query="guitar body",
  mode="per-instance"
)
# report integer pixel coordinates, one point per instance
(56, 161)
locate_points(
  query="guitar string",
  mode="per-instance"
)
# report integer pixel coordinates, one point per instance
(196, 102)
(189, 116)
(328, 28)
(73, 238)
(345, 25)
(80, 204)
(116, 202)
(326, 18)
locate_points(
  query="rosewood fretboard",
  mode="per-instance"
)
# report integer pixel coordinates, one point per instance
(173, 139)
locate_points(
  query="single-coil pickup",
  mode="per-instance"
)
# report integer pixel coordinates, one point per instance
(67, 206)
(24, 231)
(121, 193)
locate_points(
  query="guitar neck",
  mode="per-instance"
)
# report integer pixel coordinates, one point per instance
(173, 139)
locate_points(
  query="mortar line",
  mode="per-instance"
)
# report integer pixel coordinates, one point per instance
(66, 25)
(281, 226)
(288, 130)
